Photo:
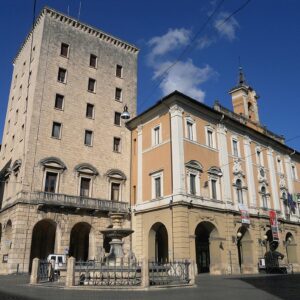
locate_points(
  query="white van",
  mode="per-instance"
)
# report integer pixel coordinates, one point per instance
(60, 261)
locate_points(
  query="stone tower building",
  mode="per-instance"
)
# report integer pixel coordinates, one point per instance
(65, 159)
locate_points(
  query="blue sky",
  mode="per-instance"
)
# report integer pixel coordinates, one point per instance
(265, 35)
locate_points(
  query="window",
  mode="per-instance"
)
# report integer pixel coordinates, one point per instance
(235, 148)
(259, 157)
(90, 111)
(157, 187)
(12, 141)
(56, 130)
(190, 135)
(8, 126)
(156, 136)
(93, 61)
(239, 191)
(92, 85)
(210, 139)
(115, 191)
(214, 188)
(117, 120)
(23, 68)
(118, 94)
(85, 187)
(157, 184)
(264, 197)
(279, 165)
(88, 137)
(119, 71)
(62, 75)
(22, 132)
(193, 184)
(17, 116)
(59, 101)
(64, 50)
(294, 172)
(117, 144)
(50, 182)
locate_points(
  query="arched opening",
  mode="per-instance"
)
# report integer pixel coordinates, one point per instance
(207, 246)
(239, 191)
(79, 241)
(8, 235)
(291, 248)
(43, 240)
(264, 199)
(158, 243)
(244, 247)
(106, 244)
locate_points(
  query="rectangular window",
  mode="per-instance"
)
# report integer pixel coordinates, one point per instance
(92, 85)
(85, 187)
(214, 189)
(20, 91)
(118, 94)
(259, 158)
(88, 137)
(294, 175)
(59, 101)
(210, 138)
(190, 130)
(117, 120)
(50, 182)
(115, 191)
(117, 144)
(156, 135)
(8, 126)
(192, 184)
(90, 111)
(157, 181)
(235, 148)
(56, 130)
(93, 61)
(62, 75)
(119, 71)
(64, 50)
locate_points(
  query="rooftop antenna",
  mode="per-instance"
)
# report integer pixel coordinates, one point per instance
(79, 10)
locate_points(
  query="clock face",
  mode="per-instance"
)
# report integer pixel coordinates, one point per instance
(262, 172)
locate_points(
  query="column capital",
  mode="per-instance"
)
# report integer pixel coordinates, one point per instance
(176, 110)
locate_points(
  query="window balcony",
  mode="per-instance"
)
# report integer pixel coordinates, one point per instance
(62, 201)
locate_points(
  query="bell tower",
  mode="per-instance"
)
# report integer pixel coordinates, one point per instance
(244, 99)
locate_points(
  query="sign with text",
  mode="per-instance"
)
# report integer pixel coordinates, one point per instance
(274, 225)
(244, 214)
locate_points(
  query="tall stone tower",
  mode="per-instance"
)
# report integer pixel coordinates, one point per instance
(244, 99)
(65, 157)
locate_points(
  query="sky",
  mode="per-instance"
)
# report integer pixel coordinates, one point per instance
(202, 62)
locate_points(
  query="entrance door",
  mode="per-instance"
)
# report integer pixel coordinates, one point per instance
(203, 258)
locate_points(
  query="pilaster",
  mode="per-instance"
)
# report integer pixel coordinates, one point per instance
(274, 186)
(140, 165)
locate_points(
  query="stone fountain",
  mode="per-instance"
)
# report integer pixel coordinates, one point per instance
(116, 233)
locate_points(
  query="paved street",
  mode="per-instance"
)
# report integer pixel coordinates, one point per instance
(208, 287)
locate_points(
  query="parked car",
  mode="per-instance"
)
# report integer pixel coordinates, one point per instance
(60, 261)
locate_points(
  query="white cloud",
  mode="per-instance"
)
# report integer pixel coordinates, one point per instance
(173, 39)
(227, 29)
(205, 42)
(184, 77)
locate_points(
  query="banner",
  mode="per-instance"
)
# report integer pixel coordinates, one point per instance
(244, 214)
(274, 225)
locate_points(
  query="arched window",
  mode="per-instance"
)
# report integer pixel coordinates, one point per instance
(239, 191)
(264, 197)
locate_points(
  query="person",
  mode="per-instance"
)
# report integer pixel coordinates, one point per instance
(51, 267)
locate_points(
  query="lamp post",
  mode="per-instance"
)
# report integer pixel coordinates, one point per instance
(238, 243)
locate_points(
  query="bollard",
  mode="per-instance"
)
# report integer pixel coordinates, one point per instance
(145, 273)
(34, 271)
(70, 280)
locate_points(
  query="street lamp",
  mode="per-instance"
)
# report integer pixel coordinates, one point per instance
(125, 114)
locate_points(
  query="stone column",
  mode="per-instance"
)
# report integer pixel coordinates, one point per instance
(192, 273)
(139, 198)
(34, 271)
(145, 273)
(70, 280)
(224, 163)
(177, 150)
(274, 186)
(249, 172)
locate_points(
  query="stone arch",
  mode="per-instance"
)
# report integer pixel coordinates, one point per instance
(86, 168)
(42, 240)
(245, 249)
(207, 245)
(291, 248)
(158, 243)
(81, 241)
(8, 232)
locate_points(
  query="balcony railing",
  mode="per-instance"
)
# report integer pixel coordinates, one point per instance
(68, 201)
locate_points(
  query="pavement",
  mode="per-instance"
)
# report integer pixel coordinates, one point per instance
(16, 287)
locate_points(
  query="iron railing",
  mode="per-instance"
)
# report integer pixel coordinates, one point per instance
(43, 271)
(62, 200)
(176, 272)
(121, 272)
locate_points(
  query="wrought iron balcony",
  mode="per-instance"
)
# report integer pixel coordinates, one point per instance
(67, 201)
